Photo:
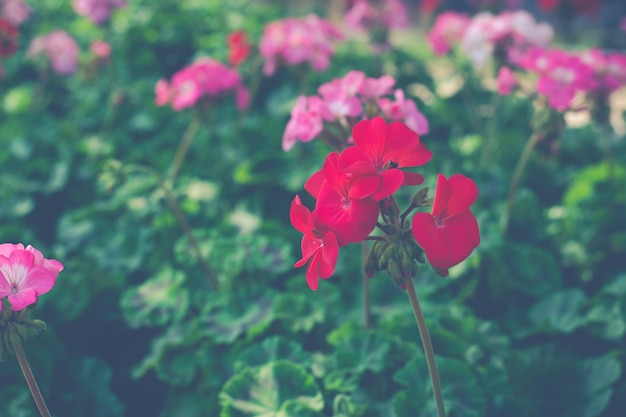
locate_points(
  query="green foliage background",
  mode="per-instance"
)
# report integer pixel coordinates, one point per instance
(530, 325)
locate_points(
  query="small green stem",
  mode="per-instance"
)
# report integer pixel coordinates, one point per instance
(517, 176)
(367, 313)
(182, 220)
(183, 147)
(30, 380)
(428, 348)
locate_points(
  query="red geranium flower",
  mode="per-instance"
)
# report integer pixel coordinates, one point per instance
(238, 47)
(450, 233)
(319, 244)
(351, 219)
(380, 150)
(8, 38)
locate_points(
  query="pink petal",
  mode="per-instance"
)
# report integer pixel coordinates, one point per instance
(40, 279)
(22, 299)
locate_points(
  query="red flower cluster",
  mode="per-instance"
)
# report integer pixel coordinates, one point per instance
(238, 47)
(352, 187)
(8, 38)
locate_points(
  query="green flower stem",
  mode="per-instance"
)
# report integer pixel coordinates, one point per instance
(517, 176)
(367, 313)
(182, 220)
(183, 147)
(30, 380)
(428, 348)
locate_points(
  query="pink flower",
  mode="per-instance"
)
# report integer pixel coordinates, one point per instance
(447, 31)
(340, 95)
(307, 121)
(561, 75)
(60, 48)
(98, 11)
(506, 81)
(205, 77)
(295, 41)
(377, 87)
(101, 49)
(366, 15)
(404, 110)
(14, 11)
(25, 274)
(609, 69)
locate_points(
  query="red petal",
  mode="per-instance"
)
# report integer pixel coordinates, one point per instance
(363, 186)
(447, 245)
(312, 272)
(391, 181)
(400, 142)
(300, 216)
(364, 215)
(354, 161)
(416, 157)
(370, 136)
(412, 178)
(314, 183)
(453, 196)
(330, 252)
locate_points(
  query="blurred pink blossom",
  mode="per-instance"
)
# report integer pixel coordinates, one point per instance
(101, 49)
(561, 75)
(306, 122)
(295, 41)
(506, 36)
(207, 77)
(340, 95)
(25, 274)
(368, 15)
(447, 31)
(609, 68)
(404, 110)
(14, 11)
(59, 47)
(98, 11)
(506, 81)
(343, 102)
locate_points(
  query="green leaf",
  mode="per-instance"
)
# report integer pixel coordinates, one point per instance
(277, 389)
(363, 351)
(270, 350)
(461, 393)
(158, 301)
(561, 311)
(227, 324)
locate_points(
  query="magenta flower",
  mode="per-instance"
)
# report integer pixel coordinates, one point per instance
(561, 75)
(296, 41)
(404, 110)
(98, 11)
(368, 15)
(101, 49)
(307, 121)
(506, 81)
(25, 274)
(340, 95)
(14, 11)
(205, 77)
(447, 31)
(60, 48)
